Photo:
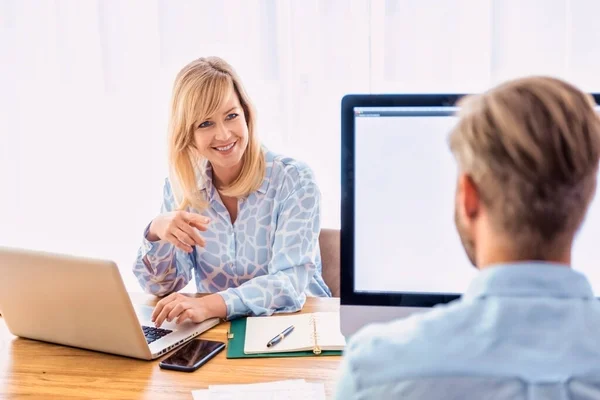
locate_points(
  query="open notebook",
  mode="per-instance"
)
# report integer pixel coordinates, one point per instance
(314, 332)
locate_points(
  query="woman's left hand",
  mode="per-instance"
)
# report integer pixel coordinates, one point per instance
(179, 307)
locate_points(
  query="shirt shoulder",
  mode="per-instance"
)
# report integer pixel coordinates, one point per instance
(475, 338)
(288, 174)
(421, 341)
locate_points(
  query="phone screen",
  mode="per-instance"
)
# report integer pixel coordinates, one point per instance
(192, 355)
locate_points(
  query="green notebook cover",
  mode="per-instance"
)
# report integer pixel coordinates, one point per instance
(237, 336)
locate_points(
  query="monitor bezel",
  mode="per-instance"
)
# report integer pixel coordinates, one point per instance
(348, 296)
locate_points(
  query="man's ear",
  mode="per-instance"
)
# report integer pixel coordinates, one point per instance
(470, 202)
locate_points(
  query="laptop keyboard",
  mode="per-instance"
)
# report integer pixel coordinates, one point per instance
(152, 334)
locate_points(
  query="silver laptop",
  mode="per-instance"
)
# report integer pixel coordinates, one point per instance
(82, 302)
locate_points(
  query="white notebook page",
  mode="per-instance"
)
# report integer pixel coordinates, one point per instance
(328, 330)
(259, 330)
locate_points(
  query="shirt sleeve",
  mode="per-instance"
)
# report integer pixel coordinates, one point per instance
(345, 387)
(160, 267)
(295, 255)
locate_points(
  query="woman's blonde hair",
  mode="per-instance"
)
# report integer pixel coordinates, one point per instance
(532, 147)
(200, 88)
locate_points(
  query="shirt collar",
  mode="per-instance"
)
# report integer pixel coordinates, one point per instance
(205, 173)
(529, 279)
(269, 157)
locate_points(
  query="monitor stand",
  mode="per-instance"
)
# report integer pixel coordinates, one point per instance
(353, 317)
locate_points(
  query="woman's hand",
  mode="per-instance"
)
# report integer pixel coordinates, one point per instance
(179, 307)
(178, 228)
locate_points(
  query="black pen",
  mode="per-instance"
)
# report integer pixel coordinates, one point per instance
(279, 337)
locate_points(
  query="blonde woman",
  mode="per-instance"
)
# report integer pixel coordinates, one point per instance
(243, 220)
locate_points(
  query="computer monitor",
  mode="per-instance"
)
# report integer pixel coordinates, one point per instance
(400, 252)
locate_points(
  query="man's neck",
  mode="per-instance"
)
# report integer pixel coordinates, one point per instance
(505, 256)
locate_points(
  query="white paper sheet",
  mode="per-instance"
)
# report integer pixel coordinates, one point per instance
(279, 390)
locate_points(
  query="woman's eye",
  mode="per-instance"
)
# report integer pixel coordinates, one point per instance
(232, 116)
(205, 124)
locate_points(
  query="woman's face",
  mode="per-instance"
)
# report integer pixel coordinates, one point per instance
(223, 137)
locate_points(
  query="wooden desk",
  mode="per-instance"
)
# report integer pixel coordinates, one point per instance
(31, 369)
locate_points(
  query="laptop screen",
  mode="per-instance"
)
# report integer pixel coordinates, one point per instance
(404, 187)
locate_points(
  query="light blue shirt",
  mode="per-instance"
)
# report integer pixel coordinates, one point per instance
(528, 331)
(268, 261)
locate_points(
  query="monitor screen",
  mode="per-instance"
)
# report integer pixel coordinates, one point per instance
(404, 185)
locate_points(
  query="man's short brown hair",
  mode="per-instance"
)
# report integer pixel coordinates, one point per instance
(532, 147)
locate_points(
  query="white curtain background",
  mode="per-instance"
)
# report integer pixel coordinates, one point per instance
(85, 86)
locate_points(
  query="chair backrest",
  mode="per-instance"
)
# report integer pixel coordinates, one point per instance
(329, 241)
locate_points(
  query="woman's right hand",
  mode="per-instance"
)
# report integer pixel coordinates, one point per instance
(179, 229)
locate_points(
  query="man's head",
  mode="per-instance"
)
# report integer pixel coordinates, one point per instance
(527, 154)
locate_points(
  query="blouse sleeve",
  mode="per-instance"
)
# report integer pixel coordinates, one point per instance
(160, 267)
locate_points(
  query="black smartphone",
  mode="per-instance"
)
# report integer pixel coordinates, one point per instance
(192, 355)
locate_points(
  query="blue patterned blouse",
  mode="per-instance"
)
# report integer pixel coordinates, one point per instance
(267, 261)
